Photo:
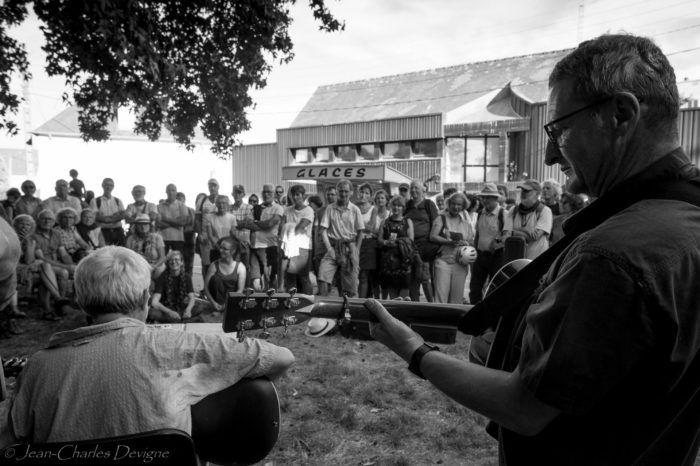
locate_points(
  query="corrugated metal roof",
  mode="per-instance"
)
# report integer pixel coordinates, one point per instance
(431, 91)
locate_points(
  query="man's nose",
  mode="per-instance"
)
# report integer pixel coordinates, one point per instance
(552, 154)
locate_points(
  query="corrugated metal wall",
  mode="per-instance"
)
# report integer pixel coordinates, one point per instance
(689, 125)
(255, 165)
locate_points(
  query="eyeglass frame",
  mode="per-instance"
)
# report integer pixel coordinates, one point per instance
(549, 127)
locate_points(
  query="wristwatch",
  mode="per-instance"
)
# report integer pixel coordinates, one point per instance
(417, 357)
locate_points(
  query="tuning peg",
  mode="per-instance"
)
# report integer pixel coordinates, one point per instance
(248, 302)
(289, 303)
(269, 302)
(270, 292)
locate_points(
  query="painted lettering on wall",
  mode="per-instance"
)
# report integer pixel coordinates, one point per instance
(337, 172)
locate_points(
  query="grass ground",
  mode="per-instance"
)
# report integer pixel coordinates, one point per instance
(345, 402)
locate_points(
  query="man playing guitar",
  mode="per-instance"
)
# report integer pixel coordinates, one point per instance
(599, 364)
(120, 376)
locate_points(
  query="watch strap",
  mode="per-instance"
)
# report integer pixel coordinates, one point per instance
(417, 357)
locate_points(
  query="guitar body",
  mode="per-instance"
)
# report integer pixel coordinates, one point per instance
(239, 424)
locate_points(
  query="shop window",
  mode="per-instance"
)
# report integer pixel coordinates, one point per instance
(347, 153)
(397, 150)
(370, 151)
(472, 159)
(300, 155)
(427, 148)
(322, 154)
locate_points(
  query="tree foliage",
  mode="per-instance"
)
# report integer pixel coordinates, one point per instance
(178, 63)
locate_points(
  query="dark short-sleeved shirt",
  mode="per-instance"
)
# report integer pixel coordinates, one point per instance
(161, 286)
(422, 216)
(615, 327)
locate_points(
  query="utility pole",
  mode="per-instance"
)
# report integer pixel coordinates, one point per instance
(579, 26)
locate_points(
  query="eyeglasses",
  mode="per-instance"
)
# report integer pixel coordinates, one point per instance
(279, 192)
(551, 130)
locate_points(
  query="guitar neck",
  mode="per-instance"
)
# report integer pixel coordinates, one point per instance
(410, 313)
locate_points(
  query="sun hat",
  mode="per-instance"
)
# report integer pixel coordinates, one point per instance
(319, 326)
(490, 190)
(142, 218)
(466, 255)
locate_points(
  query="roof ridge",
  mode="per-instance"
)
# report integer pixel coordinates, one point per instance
(335, 86)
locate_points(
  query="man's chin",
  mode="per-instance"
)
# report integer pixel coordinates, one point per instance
(575, 186)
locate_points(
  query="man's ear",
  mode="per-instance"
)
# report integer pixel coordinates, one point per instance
(627, 113)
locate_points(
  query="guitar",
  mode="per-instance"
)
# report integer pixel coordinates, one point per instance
(239, 424)
(261, 311)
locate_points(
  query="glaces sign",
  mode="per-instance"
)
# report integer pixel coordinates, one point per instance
(333, 172)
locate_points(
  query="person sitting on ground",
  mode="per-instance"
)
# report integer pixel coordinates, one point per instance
(28, 203)
(68, 236)
(32, 271)
(49, 249)
(173, 297)
(225, 274)
(395, 239)
(218, 226)
(120, 376)
(148, 244)
(89, 230)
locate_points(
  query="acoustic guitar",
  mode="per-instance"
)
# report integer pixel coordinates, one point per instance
(261, 311)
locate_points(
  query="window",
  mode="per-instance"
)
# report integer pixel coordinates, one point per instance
(397, 150)
(300, 155)
(472, 159)
(347, 153)
(427, 148)
(323, 154)
(370, 151)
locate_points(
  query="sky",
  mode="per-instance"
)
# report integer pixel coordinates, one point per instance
(386, 37)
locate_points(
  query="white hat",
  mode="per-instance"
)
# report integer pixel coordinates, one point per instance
(466, 255)
(318, 326)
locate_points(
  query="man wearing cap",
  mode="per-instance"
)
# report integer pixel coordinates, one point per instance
(530, 220)
(601, 362)
(172, 218)
(266, 237)
(488, 242)
(28, 203)
(61, 200)
(109, 212)
(243, 213)
(140, 206)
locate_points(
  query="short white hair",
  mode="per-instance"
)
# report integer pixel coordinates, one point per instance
(112, 279)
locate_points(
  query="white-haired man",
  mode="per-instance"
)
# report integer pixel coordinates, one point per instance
(599, 362)
(551, 193)
(120, 376)
(61, 200)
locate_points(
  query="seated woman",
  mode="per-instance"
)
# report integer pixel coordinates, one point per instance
(173, 297)
(68, 236)
(90, 231)
(395, 238)
(148, 244)
(225, 274)
(33, 271)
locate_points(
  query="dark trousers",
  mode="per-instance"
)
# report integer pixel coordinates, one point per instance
(114, 236)
(174, 246)
(486, 266)
(188, 252)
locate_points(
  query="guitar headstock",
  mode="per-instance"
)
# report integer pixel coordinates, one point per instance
(13, 366)
(260, 311)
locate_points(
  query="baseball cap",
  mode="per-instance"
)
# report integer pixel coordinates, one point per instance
(529, 185)
(404, 186)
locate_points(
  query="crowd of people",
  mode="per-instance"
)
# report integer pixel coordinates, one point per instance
(362, 242)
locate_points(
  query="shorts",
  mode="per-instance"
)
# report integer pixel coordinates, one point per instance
(349, 270)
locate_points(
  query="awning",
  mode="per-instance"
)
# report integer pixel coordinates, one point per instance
(349, 171)
(491, 113)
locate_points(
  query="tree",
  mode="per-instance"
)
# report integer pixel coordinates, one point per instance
(178, 63)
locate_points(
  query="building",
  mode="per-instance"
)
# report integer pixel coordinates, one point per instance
(459, 126)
